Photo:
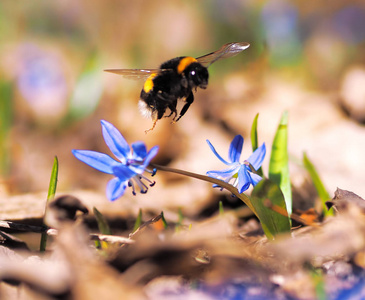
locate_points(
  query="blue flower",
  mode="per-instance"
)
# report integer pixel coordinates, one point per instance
(129, 168)
(241, 173)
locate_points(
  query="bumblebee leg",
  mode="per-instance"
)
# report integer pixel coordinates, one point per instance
(173, 119)
(170, 114)
(153, 126)
(188, 100)
(172, 108)
(173, 111)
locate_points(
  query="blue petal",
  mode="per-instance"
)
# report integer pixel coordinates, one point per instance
(123, 172)
(115, 141)
(139, 151)
(255, 179)
(150, 155)
(244, 180)
(97, 160)
(257, 157)
(225, 174)
(139, 168)
(116, 188)
(235, 148)
(216, 154)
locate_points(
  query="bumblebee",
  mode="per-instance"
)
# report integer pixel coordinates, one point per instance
(176, 79)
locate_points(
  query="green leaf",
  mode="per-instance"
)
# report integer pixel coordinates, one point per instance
(102, 223)
(51, 193)
(318, 184)
(270, 207)
(279, 161)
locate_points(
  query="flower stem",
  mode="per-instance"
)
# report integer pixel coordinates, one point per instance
(221, 183)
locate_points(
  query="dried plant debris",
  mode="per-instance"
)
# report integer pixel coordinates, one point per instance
(47, 279)
(11, 242)
(214, 259)
(64, 208)
(343, 199)
(332, 248)
(73, 271)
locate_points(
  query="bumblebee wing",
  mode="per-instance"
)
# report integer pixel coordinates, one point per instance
(134, 73)
(227, 50)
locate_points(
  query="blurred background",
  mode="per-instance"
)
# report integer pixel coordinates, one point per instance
(306, 58)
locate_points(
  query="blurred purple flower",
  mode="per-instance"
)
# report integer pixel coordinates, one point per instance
(241, 173)
(42, 81)
(128, 171)
(280, 24)
(349, 24)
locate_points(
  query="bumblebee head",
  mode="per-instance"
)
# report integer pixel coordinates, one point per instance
(197, 75)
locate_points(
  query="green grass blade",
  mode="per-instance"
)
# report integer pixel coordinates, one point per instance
(102, 223)
(254, 137)
(221, 208)
(165, 225)
(51, 194)
(53, 180)
(318, 184)
(138, 222)
(270, 207)
(279, 161)
(179, 223)
(181, 216)
(255, 141)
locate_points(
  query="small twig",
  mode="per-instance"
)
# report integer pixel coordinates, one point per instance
(100, 237)
(293, 216)
(149, 222)
(111, 238)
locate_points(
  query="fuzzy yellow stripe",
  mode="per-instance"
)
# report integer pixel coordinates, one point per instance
(184, 63)
(148, 85)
